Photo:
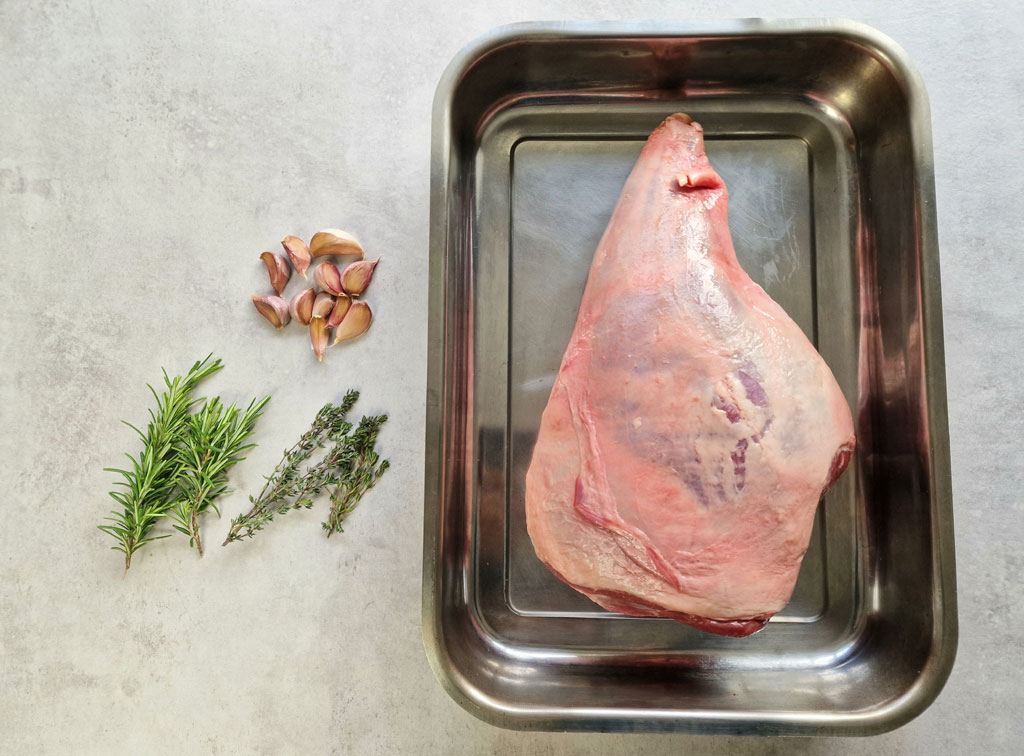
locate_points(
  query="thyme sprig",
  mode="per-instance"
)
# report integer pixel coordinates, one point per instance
(347, 470)
(149, 485)
(288, 487)
(215, 441)
(356, 473)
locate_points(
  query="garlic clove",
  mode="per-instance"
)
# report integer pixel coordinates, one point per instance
(278, 268)
(356, 321)
(341, 306)
(273, 309)
(318, 335)
(328, 278)
(301, 306)
(356, 276)
(334, 241)
(298, 253)
(323, 305)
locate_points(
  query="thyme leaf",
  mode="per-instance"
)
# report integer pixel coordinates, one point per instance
(356, 473)
(348, 469)
(288, 486)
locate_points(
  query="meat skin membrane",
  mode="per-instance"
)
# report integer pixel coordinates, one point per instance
(692, 428)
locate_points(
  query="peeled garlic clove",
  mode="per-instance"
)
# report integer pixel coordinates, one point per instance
(278, 268)
(341, 305)
(301, 306)
(273, 309)
(298, 253)
(323, 305)
(356, 321)
(328, 278)
(318, 334)
(334, 241)
(356, 276)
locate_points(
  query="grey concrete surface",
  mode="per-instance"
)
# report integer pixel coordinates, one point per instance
(148, 152)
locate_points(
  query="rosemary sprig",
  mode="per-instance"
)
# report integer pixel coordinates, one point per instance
(356, 473)
(214, 443)
(150, 483)
(287, 487)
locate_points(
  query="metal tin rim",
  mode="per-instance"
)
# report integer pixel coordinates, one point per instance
(892, 713)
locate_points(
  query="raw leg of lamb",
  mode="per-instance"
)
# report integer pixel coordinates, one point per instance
(692, 427)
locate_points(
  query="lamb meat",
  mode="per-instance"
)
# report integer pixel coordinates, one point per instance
(692, 427)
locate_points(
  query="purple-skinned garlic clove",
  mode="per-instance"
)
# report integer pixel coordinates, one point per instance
(355, 322)
(273, 309)
(323, 305)
(278, 269)
(298, 253)
(341, 307)
(327, 276)
(318, 337)
(301, 306)
(356, 276)
(334, 241)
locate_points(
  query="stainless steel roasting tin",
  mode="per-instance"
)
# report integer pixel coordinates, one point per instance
(821, 132)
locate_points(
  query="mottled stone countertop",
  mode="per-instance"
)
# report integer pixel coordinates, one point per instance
(149, 151)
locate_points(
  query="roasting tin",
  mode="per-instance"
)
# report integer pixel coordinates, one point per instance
(821, 131)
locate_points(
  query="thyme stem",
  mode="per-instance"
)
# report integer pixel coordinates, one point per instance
(288, 487)
(348, 469)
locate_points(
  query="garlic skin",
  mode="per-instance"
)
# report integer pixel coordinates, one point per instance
(273, 309)
(301, 306)
(356, 276)
(355, 323)
(328, 278)
(341, 307)
(334, 241)
(318, 335)
(298, 253)
(323, 305)
(278, 268)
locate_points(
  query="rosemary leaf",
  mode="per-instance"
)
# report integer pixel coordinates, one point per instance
(150, 482)
(215, 441)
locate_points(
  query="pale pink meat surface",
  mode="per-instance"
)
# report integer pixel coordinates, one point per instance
(692, 427)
